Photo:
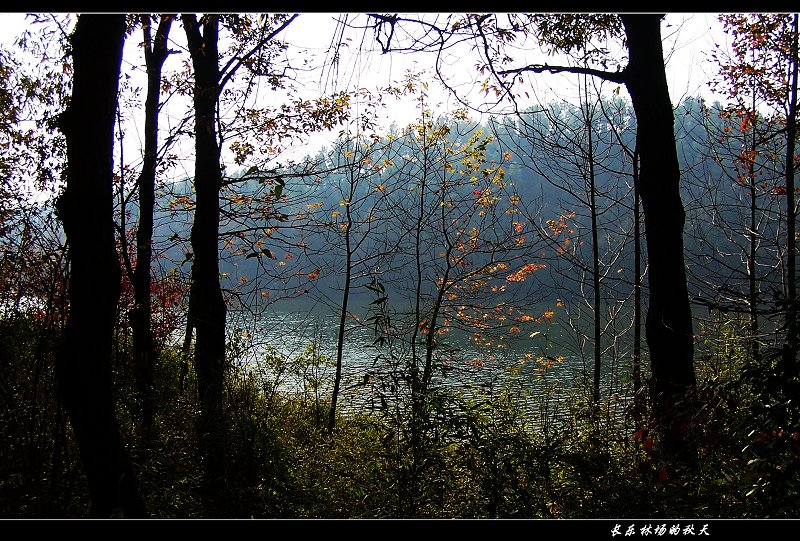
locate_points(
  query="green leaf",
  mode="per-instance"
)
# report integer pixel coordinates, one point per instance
(278, 191)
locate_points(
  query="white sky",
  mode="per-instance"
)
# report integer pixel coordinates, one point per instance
(688, 40)
(690, 37)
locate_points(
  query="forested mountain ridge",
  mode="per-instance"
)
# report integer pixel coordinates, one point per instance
(550, 193)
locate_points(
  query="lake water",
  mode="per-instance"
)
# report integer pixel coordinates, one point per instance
(546, 374)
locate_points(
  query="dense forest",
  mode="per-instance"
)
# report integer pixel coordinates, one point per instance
(578, 308)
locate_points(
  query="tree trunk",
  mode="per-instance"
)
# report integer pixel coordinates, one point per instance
(752, 282)
(597, 349)
(206, 306)
(83, 364)
(668, 325)
(791, 345)
(143, 348)
(348, 276)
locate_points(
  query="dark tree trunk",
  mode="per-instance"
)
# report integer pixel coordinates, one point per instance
(143, 349)
(668, 326)
(206, 306)
(752, 281)
(83, 364)
(348, 276)
(597, 349)
(793, 340)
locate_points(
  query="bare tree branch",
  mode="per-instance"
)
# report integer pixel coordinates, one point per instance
(613, 76)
